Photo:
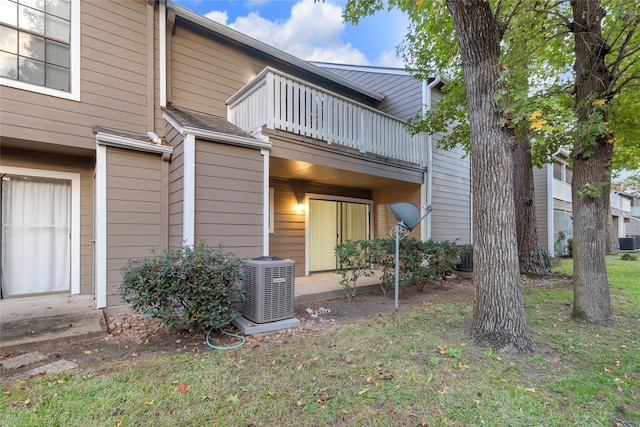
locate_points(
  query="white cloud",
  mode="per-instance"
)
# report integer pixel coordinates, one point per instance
(389, 59)
(218, 16)
(312, 32)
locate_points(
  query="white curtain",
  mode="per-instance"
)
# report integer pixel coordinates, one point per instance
(36, 239)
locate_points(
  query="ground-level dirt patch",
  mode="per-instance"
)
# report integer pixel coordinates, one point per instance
(135, 337)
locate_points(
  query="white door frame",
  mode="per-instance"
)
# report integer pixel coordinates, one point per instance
(333, 199)
(75, 212)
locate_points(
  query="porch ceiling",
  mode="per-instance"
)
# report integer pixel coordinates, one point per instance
(295, 169)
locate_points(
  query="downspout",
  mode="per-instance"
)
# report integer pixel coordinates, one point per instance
(426, 106)
(189, 190)
(266, 205)
(162, 24)
(101, 226)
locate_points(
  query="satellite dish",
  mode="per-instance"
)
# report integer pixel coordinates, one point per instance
(407, 214)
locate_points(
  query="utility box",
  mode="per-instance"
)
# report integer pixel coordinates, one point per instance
(466, 260)
(627, 244)
(269, 289)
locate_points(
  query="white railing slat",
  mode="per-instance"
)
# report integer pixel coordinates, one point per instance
(278, 101)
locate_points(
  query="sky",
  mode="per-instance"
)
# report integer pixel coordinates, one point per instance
(313, 31)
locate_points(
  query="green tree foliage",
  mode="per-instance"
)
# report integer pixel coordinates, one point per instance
(571, 71)
(632, 183)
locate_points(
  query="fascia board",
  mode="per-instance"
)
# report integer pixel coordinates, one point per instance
(240, 141)
(131, 144)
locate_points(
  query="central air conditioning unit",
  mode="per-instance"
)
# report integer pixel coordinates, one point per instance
(269, 289)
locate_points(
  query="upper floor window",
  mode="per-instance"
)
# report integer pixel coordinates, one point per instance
(562, 172)
(37, 40)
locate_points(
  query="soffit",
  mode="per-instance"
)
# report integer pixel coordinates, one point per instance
(303, 171)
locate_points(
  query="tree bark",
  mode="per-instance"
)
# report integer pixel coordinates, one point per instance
(498, 309)
(591, 168)
(529, 255)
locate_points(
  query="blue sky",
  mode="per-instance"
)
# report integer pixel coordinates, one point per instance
(311, 30)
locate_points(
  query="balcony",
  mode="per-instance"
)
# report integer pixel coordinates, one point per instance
(561, 190)
(635, 211)
(620, 203)
(275, 100)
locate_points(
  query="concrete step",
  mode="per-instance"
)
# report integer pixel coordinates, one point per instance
(32, 364)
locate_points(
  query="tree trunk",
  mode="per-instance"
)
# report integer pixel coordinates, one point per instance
(591, 155)
(529, 255)
(498, 309)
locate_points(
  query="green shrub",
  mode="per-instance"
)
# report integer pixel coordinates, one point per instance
(354, 257)
(420, 262)
(628, 257)
(570, 246)
(194, 286)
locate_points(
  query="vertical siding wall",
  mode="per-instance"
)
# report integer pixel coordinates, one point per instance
(229, 198)
(83, 166)
(176, 187)
(134, 223)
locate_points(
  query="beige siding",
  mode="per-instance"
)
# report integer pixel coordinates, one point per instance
(83, 166)
(541, 205)
(134, 223)
(176, 187)
(113, 82)
(229, 198)
(288, 238)
(205, 72)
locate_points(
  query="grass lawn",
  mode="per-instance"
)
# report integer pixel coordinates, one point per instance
(412, 367)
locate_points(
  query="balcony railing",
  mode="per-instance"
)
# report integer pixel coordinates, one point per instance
(279, 101)
(621, 203)
(561, 190)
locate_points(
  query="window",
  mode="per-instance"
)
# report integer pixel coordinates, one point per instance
(38, 44)
(557, 170)
(568, 175)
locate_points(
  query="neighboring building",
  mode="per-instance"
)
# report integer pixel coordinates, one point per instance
(554, 212)
(552, 185)
(632, 224)
(259, 151)
(620, 211)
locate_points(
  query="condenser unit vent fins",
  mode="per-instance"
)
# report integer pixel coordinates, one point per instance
(269, 289)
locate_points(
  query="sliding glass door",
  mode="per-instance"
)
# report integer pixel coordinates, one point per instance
(332, 222)
(36, 235)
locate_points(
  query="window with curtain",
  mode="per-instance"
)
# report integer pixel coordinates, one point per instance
(36, 235)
